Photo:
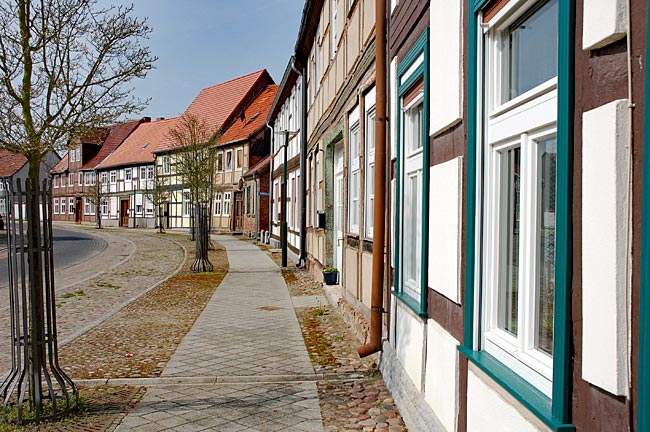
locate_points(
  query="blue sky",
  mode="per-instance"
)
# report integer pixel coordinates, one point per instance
(200, 43)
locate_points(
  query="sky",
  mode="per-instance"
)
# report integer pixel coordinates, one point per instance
(200, 43)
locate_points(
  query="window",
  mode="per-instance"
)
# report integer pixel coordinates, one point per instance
(226, 204)
(520, 193)
(70, 179)
(229, 160)
(104, 206)
(217, 204)
(370, 162)
(128, 174)
(148, 207)
(80, 179)
(247, 200)
(240, 158)
(411, 215)
(187, 203)
(354, 177)
(220, 161)
(56, 206)
(71, 205)
(150, 173)
(138, 208)
(113, 176)
(143, 173)
(166, 165)
(63, 177)
(89, 207)
(56, 180)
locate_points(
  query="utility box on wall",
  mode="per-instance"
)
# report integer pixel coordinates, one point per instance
(321, 219)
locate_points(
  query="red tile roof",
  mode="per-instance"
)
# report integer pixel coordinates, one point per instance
(10, 163)
(117, 135)
(258, 166)
(253, 118)
(62, 166)
(138, 148)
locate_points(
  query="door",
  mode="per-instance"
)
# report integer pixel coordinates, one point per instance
(338, 208)
(124, 213)
(239, 211)
(78, 209)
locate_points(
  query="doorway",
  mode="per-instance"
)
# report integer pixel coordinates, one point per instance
(239, 212)
(124, 212)
(78, 210)
(338, 208)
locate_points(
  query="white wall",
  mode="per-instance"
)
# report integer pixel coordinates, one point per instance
(604, 21)
(441, 377)
(409, 342)
(604, 228)
(488, 411)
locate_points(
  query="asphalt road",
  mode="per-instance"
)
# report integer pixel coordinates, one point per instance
(70, 247)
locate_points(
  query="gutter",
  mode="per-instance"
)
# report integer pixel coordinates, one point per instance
(302, 258)
(379, 228)
(270, 231)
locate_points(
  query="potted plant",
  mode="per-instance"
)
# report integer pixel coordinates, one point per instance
(331, 276)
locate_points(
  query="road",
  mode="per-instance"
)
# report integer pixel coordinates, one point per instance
(70, 247)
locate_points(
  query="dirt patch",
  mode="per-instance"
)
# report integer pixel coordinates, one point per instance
(138, 341)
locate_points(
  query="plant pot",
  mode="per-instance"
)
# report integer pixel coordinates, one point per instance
(331, 278)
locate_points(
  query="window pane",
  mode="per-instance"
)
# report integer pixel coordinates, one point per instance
(546, 228)
(533, 49)
(509, 285)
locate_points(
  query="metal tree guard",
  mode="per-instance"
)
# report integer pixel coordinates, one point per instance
(36, 381)
(202, 231)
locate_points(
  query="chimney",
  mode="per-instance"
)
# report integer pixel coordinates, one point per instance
(160, 118)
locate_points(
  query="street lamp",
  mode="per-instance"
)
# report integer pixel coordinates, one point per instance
(283, 208)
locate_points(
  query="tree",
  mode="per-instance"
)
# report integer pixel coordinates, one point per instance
(192, 140)
(64, 67)
(157, 192)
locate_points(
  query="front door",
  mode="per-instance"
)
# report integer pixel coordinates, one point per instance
(124, 213)
(338, 208)
(78, 215)
(239, 211)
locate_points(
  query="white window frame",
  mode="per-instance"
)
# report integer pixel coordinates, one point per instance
(71, 179)
(227, 196)
(187, 202)
(370, 162)
(166, 164)
(56, 180)
(150, 172)
(239, 161)
(354, 172)
(229, 163)
(56, 206)
(128, 174)
(143, 173)
(217, 203)
(521, 122)
(104, 205)
(113, 176)
(70, 205)
(220, 156)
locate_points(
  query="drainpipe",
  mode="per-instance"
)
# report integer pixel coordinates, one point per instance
(270, 231)
(257, 205)
(302, 259)
(377, 294)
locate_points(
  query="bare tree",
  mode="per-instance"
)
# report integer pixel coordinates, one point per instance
(157, 191)
(97, 195)
(192, 140)
(64, 69)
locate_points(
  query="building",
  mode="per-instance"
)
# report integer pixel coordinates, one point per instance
(220, 106)
(74, 177)
(128, 181)
(286, 118)
(256, 198)
(14, 168)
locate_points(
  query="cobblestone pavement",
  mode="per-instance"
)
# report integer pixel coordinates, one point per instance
(243, 366)
(91, 291)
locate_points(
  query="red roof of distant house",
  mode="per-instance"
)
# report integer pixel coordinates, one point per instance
(61, 166)
(138, 148)
(253, 117)
(116, 136)
(10, 163)
(218, 102)
(258, 166)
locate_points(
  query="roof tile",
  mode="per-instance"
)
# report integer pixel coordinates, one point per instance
(253, 118)
(10, 163)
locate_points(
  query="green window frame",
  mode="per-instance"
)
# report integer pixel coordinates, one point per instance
(643, 415)
(555, 412)
(420, 48)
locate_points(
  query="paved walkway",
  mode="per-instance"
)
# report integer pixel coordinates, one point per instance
(243, 366)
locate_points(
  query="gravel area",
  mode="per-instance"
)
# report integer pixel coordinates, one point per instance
(138, 340)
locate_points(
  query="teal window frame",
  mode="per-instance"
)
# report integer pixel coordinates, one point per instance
(555, 412)
(421, 47)
(643, 414)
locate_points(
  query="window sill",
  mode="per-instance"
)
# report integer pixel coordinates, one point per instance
(533, 399)
(412, 304)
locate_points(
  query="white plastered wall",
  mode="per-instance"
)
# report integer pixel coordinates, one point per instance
(444, 228)
(604, 21)
(446, 73)
(604, 250)
(409, 342)
(441, 376)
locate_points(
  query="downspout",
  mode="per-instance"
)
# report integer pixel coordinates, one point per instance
(270, 231)
(303, 163)
(379, 228)
(257, 205)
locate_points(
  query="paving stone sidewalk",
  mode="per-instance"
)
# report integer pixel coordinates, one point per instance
(243, 366)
